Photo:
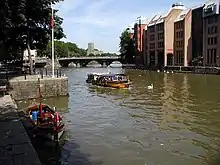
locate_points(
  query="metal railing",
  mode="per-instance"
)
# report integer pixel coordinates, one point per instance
(98, 57)
(44, 72)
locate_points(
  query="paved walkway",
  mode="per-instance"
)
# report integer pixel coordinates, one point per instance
(15, 144)
(34, 77)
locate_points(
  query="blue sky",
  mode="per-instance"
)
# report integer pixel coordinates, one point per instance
(102, 21)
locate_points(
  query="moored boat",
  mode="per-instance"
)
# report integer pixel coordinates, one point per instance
(113, 80)
(93, 77)
(47, 122)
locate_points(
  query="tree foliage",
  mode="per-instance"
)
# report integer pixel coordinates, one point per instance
(127, 48)
(109, 54)
(62, 49)
(26, 23)
(197, 61)
(67, 49)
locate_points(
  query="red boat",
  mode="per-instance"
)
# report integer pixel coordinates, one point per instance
(46, 121)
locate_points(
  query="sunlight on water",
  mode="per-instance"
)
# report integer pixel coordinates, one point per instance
(177, 122)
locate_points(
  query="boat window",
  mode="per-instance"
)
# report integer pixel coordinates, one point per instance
(114, 78)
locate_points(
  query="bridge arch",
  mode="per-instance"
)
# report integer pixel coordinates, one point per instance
(84, 61)
(116, 63)
(72, 64)
(93, 63)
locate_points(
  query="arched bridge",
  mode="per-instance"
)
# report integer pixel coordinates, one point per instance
(84, 61)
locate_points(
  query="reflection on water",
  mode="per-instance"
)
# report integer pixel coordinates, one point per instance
(177, 122)
(61, 103)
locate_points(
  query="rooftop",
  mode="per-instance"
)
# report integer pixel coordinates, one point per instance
(210, 3)
(141, 20)
(154, 20)
(182, 15)
(197, 6)
(145, 28)
(161, 17)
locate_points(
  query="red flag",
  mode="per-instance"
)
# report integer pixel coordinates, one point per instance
(52, 22)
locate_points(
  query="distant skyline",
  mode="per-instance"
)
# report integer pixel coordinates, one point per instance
(102, 21)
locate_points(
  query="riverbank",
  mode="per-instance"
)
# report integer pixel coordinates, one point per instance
(194, 69)
(26, 87)
(15, 144)
(178, 69)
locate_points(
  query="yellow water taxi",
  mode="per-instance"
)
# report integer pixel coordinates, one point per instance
(93, 76)
(112, 80)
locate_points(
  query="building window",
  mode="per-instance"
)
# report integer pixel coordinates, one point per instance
(179, 34)
(212, 30)
(214, 56)
(160, 45)
(152, 37)
(151, 29)
(160, 36)
(179, 25)
(152, 45)
(212, 19)
(211, 56)
(179, 60)
(160, 27)
(209, 41)
(179, 44)
(212, 40)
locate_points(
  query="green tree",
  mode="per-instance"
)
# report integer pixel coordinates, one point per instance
(11, 41)
(108, 54)
(72, 47)
(62, 49)
(197, 61)
(127, 48)
(26, 25)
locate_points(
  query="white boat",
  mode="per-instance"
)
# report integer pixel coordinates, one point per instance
(93, 76)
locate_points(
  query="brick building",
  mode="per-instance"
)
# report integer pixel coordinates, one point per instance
(211, 33)
(182, 39)
(160, 35)
(139, 28)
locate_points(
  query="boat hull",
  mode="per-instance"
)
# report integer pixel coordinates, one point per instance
(48, 125)
(113, 85)
(49, 133)
(51, 136)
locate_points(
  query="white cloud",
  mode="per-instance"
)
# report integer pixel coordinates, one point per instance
(97, 21)
(102, 21)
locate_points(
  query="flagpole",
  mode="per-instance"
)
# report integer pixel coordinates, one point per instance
(52, 41)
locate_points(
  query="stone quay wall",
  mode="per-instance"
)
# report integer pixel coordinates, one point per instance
(15, 144)
(27, 87)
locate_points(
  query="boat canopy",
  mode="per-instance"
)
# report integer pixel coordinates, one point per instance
(112, 75)
(98, 73)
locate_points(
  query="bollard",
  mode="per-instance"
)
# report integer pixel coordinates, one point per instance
(6, 75)
(25, 76)
(60, 72)
(42, 74)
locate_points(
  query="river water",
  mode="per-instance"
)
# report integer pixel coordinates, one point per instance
(178, 122)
